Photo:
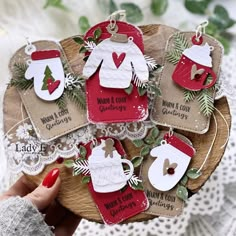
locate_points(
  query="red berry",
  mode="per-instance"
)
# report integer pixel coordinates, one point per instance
(60, 160)
(170, 171)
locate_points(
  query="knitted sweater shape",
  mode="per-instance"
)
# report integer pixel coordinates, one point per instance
(117, 62)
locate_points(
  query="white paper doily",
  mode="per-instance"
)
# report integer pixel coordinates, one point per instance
(32, 162)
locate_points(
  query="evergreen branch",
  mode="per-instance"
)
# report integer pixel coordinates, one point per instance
(19, 70)
(206, 102)
(18, 81)
(22, 83)
(173, 56)
(216, 86)
(61, 102)
(65, 66)
(77, 96)
(152, 88)
(190, 95)
(180, 42)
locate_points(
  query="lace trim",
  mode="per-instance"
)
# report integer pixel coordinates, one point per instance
(26, 153)
(132, 131)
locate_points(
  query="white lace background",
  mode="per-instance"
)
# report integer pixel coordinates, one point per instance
(212, 211)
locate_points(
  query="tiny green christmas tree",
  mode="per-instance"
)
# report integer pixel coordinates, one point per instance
(48, 75)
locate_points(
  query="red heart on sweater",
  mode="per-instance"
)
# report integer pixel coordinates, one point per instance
(52, 85)
(118, 59)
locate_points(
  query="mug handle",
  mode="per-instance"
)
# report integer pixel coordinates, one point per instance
(131, 170)
(214, 78)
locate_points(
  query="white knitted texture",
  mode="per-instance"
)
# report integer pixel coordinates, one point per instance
(18, 217)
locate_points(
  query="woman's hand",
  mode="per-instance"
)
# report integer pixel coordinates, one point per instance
(43, 197)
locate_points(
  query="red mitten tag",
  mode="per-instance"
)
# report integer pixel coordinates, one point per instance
(111, 68)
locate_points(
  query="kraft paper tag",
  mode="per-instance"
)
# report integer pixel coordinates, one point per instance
(161, 203)
(48, 120)
(170, 109)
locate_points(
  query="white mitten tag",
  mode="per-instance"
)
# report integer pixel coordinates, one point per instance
(47, 71)
(173, 158)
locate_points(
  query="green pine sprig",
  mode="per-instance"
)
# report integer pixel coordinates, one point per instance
(61, 102)
(21, 83)
(180, 44)
(205, 99)
(173, 56)
(19, 70)
(206, 102)
(74, 92)
(190, 95)
(18, 81)
(77, 96)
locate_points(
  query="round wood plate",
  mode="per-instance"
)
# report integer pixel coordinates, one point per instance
(73, 194)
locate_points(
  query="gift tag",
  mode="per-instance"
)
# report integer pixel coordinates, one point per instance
(120, 205)
(165, 204)
(115, 201)
(41, 82)
(173, 158)
(105, 165)
(191, 68)
(45, 68)
(116, 63)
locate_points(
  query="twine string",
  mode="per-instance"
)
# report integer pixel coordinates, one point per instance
(211, 147)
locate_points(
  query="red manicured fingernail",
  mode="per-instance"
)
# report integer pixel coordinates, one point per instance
(51, 178)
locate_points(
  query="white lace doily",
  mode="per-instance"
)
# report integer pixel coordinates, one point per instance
(38, 155)
(216, 199)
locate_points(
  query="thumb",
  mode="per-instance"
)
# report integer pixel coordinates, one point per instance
(47, 191)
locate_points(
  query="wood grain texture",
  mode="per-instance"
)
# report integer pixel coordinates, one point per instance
(75, 196)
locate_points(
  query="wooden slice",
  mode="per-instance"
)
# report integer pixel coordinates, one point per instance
(73, 194)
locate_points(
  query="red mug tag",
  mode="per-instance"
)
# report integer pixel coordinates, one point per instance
(194, 67)
(184, 78)
(118, 205)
